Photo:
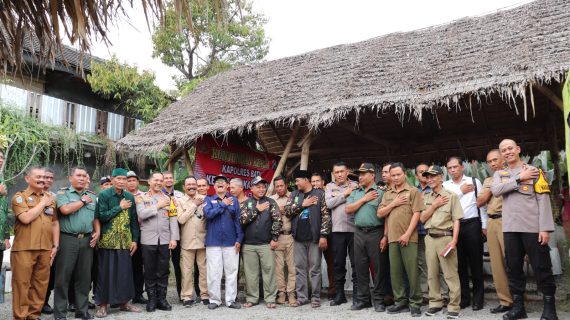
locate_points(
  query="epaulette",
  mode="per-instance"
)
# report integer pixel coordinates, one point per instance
(92, 192)
(64, 188)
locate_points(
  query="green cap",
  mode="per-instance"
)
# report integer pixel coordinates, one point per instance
(119, 172)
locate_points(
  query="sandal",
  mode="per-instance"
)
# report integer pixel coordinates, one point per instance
(270, 305)
(295, 304)
(315, 304)
(130, 308)
(101, 312)
(249, 304)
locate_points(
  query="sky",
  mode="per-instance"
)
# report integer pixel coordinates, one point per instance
(299, 26)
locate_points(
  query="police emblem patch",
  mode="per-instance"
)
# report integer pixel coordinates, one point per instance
(19, 200)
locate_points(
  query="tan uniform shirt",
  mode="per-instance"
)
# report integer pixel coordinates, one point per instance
(495, 204)
(192, 223)
(400, 217)
(281, 201)
(523, 209)
(36, 235)
(444, 216)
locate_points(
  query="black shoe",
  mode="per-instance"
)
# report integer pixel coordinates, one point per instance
(339, 298)
(379, 307)
(161, 302)
(188, 303)
(397, 309)
(549, 311)
(517, 311)
(212, 306)
(84, 316)
(416, 312)
(452, 315)
(360, 305)
(71, 307)
(151, 303)
(140, 299)
(47, 309)
(91, 306)
(433, 311)
(500, 309)
(477, 307)
(205, 302)
(235, 305)
(464, 305)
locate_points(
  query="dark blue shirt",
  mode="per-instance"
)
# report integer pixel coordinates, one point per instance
(222, 222)
(427, 189)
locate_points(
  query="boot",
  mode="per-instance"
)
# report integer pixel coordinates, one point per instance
(549, 311)
(151, 303)
(518, 311)
(161, 303)
(339, 298)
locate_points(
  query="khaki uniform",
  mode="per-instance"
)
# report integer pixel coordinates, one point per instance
(441, 222)
(284, 252)
(30, 256)
(496, 244)
(192, 238)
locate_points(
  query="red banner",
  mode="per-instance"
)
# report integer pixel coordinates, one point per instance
(233, 161)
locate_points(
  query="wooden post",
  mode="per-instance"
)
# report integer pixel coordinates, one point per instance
(553, 97)
(305, 153)
(284, 156)
(188, 162)
(172, 158)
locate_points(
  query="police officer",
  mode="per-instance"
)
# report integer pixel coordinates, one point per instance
(527, 223)
(79, 233)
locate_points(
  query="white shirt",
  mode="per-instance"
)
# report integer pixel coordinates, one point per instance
(468, 200)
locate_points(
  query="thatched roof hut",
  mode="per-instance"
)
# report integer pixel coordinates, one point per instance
(456, 88)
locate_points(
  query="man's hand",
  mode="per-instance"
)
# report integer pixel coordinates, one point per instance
(133, 248)
(125, 204)
(274, 244)
(369, 196)
(163, 202)
(348, 191)
(383, 244)
(323, 243)
(309, 201)
(86, 199)
(484, 232)
(198, 201)
(237, 245)
(46, 199)
(528, 173)
(451, 245)
(172, 244)
(440, 201)
(94, 239)
(543, 237)
(228, 201)
(404, 239)
(466, 188)
(399, 200)
(262, 206)
(52, 256)
(7, 244)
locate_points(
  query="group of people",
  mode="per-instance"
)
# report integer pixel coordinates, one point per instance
(405, 243)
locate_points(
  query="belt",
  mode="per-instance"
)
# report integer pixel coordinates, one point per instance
(495, 216)
(465, 221)
(369, 229)
(440, 233)
(285, 232)
(77, 235)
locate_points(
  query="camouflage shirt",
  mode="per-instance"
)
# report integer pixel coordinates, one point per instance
(249, 214)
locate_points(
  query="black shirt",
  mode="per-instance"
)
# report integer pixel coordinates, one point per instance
(304, 224)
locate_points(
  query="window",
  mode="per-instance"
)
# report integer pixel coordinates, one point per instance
(33, 104)
(69, 117)
(102, 118)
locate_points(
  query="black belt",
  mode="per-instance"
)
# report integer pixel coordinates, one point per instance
(285, 232)
(495, 216)
(440, 233)
(369, 229)
(466, 221)
(77, 235)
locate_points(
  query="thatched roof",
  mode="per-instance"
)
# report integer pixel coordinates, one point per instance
(405, 73)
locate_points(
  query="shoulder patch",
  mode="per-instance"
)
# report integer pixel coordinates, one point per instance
(90, 191)
(19, 199)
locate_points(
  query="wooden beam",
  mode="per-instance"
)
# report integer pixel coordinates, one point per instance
(305, 149)
(295, 166)
(366, 136)
(284, 156)
(188, 162)
(174, 155)
(306, 137)
(272, 126)
(553, 97)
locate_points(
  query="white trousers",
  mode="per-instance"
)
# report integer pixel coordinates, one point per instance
(222, 261)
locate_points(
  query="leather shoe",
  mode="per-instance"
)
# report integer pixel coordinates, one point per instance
(500, 309)
(360, 305)
(47, 309)
(398, 308)
(212, 306)
(379, 307)
(477, 307)
(84, 316)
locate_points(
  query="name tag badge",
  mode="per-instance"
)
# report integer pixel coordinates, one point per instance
(48, 211)
(213, 201)
(524, 188)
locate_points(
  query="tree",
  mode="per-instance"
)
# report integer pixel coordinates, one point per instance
(222, 35)
(134, 92)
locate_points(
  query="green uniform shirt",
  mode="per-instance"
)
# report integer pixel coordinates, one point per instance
(80, 221)
(366, 216)
(119, 228)
(4, 227)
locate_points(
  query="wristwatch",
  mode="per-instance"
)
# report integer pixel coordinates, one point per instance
(84, 201)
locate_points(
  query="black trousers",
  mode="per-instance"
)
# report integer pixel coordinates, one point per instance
(470, 261)
(175, 256)
(156, 265)
(366, 253)
(138, 272)
(517, 244)
(341, 244)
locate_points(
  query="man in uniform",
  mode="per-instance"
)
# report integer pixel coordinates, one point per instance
(473, 228)
(363, 203)
(138, 270)
(223, 242)
(261, 222)
(192, 237)
(36, 243)
(527, 223)
(311, 224)
(202, 187)
(159, 234)
(402, 205)
(79, 232)
(441, 218)
(49, 178)
(174, 253)
(495, 241)
(284, 254)
(120, 232)
(423, 188)
(342, 237)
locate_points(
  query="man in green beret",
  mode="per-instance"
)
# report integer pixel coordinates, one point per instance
(120, 232)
